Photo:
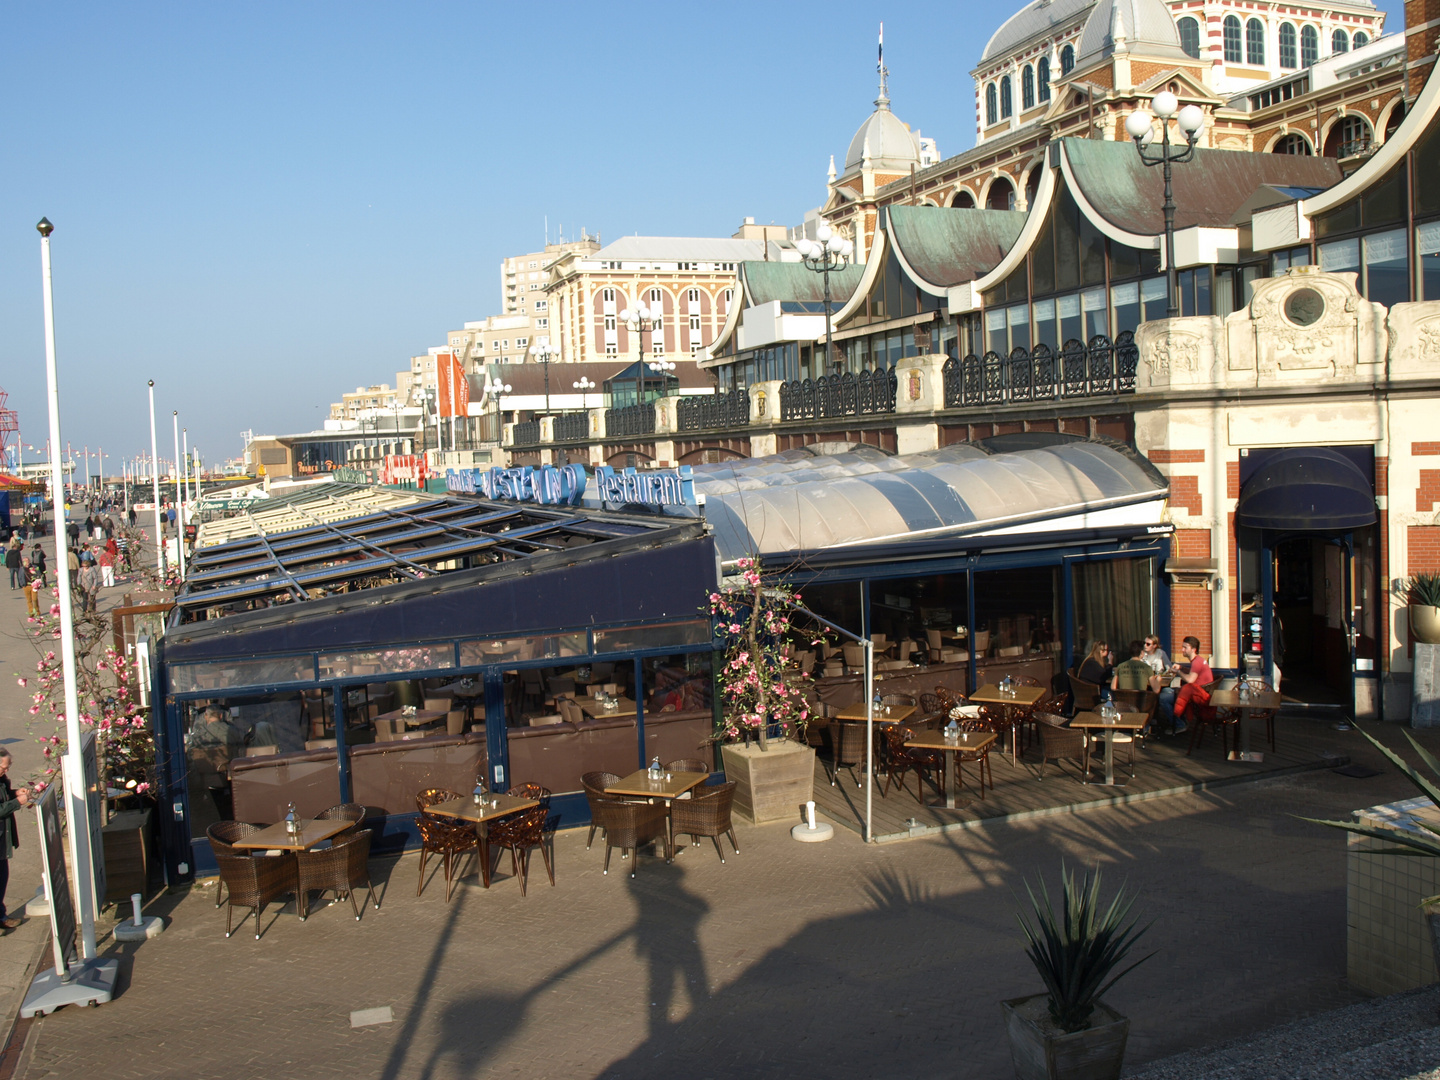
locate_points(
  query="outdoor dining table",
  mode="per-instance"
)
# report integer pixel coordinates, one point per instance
(590, 707)
(419, 718)
(893, 714)
(311, 831)
(671, 785)
(1020, 697)
(965, 740)
(1258, 701)
(1129, 721)
(467, 809)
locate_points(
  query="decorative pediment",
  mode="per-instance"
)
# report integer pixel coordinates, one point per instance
(1190, 88)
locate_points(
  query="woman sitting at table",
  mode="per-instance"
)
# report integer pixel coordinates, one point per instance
(1096, 668)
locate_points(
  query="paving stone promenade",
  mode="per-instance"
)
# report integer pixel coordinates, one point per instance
(789, 960)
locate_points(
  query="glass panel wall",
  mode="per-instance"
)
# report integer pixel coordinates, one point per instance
(1427, 239)
(1113, 602)
(1017, 615)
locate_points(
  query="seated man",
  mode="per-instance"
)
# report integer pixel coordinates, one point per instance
(1158, 660)
(1173, 704)
(1134, 673)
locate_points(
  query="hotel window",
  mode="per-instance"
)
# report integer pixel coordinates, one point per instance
(996, 340)
(1067, 59)
(654, 296)
(1017, 318)
(694, 324)
(1361, 39)
(1232, 40)
(532, 266)
(657, 343)
(609, 322)
(1045, 330)
(1287, 46)
(611, 349)
(540, 305)
(1007, 103)
(1189, 36)
(1309, 46)
(729, 296)
(1339, 42)
(542, 324)
(1043, 76)
(692, 296)
(1255, 42)
(521, 342)
(695, 348)
(607, 295)
(1027, 88)
(534, 287)
(1294, 144)
(1154, 298)
(991, 112)
(1427, 238)
(505, 344)
(1125, 300)
(1093, 312)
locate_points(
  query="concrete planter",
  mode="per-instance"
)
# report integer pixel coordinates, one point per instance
(770, 785)
(1425, 624)
(1042, 1052)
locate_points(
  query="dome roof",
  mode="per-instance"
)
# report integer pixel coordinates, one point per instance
(892, 146)
(1148, 26)
(1034, 19)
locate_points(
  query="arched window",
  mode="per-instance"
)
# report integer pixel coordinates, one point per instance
(1007, 100)
(1044, 76)
(1001, 195)
(1339, 42)
(963, 200)
(1067, 59)
(1255, 42)
(990, 110)
(1292, 144)
(1309, 46)
(1287, 46)
(1351, 136)
(1232, 40)
(1361, 39)
(1027, 88)
(1189, 36)
(1396, 115)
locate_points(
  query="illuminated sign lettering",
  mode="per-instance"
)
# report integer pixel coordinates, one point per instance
(567, 484)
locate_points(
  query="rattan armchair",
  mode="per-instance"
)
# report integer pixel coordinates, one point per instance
(343, 867)
(351, 812)
(847, 749)
(980, 757)
(706, 813)
(900, 759)
(522, 832)
(1058, 742)
(595, 784)
(254, 882)
(441, 837)
(687, 764)
(630, 826)
(223, 834)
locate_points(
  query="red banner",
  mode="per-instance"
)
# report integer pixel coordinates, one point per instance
(454, 387)
(404, 469)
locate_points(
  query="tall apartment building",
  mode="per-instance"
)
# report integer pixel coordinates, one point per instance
(689, 282)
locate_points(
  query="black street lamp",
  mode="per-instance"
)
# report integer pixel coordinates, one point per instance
(1139, 126)
(828, 251)
(544, 354)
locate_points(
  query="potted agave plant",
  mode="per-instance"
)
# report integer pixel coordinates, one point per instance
(1068, 1033)
(1423, 593)
(1423, 841)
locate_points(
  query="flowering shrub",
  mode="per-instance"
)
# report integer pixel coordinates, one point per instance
(753, 616)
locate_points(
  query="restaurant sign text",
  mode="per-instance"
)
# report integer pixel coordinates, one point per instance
(567, 485)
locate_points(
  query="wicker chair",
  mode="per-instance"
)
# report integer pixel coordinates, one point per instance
(847, 749)
(948, 700)
(595, 784)
(343, 867)
(981, 757)
(1085, 694)
(351, 812)
(930, 706)
(1201, 716)
(705, 815)
(687, 764)
(630, 826)
(1057, 742)
(254, 882)
(222, 835)
(901, 759)
(519, 833)
(441, 837)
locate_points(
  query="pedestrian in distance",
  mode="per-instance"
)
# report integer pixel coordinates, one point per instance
(32, 588)
(107, 568)
(13, 554)
(11, 800)
(90, 580)
(37, 556)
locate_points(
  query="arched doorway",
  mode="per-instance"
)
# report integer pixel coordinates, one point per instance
(963, 200)
(1001, 195)
(1349, 136)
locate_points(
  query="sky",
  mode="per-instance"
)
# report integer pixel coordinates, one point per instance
(263, 205)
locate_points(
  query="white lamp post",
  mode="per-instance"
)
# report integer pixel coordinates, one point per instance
(640, 319)
(179, 499)
(544, 354)
(155, 480)
(827, 252)
(584, 385)
(1139, 126)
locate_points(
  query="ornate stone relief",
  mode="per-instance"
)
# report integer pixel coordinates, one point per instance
(1305, 322)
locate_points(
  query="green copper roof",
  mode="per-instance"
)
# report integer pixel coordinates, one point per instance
(947, 246)
(767, 281)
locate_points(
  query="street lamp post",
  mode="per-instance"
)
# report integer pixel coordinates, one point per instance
(584, 385)
(179, 500)
(544, 354)
(640, 319)
(827, 252)
(155, 481)
(495, 390)
(665, 367)
(1139, 126)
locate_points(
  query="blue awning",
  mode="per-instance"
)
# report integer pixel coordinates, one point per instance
(1307, 489)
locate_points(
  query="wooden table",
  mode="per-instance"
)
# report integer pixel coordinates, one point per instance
(419, 718)
(590, 707)
(639, 785)
(897, 714)
(1021, 697)
(466, 809)
(312, 832)
(966, 740)
(1130, 721)
(1258, 701)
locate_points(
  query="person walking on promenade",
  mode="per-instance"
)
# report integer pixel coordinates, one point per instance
(107, 568)
(72, 564)
(90, 580)
(37, 556)
(13, 554)
(32, 589)
(11, 800)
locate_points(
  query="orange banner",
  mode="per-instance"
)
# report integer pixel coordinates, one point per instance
(453, 386)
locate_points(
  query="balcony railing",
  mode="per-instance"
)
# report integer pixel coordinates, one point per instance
(866, 394)
(706, 412)
(1040, 374)
(525, 433)
(572, 426)
(630, 420)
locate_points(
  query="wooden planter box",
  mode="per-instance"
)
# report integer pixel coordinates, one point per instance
(770, 785)
(1040, 1052)
(126, 841)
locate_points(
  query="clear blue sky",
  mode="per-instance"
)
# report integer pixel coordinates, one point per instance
(261, 205)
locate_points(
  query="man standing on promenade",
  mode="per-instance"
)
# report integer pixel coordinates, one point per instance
(10, 802)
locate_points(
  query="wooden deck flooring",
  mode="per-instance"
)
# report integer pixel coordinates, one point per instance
(1161, 769)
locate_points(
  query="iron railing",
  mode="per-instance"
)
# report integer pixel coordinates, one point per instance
(705, 412)
(525, 433)
(572, 426)
(1041, 374)
(866, 394)
(630, 420)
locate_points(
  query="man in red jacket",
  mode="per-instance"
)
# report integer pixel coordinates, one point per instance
(1195, 675)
